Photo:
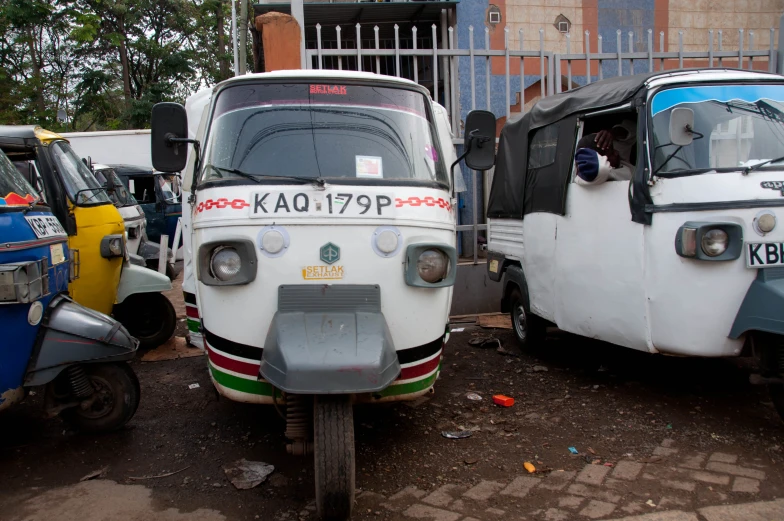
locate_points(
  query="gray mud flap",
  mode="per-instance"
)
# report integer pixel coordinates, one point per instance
(329, 340)
(762, 307)
(75, 334)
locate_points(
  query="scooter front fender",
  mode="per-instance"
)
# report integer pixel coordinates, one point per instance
(329, 340)
(70, 334)
(761, 308)
(136, 279)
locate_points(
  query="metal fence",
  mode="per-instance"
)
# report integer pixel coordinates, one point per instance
(404, 58)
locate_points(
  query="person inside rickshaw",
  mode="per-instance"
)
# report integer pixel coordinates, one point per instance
(596, 165)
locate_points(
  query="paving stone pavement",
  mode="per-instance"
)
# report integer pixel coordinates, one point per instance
(667, 487)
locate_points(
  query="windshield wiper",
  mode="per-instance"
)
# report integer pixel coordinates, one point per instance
(257, 177)
(759, 165)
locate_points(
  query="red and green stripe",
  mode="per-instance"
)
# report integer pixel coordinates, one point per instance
(241, 374)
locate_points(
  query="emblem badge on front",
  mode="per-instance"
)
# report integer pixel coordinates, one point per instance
(774, 185)
(329, 253)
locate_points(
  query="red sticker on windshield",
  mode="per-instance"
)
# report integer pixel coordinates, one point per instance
(339, 90)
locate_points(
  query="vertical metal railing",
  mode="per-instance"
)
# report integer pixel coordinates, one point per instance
(387, 56)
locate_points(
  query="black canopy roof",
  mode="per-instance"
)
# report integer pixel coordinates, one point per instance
(594, 96)
(518, 190)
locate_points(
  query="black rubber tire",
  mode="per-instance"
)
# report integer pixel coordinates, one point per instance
(333, 454)
(149, 317)
(121, 386)
(771, 351)
(529, 329)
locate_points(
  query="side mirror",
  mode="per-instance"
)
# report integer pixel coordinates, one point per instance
(681, 126)
(169, 137)
(480, 140)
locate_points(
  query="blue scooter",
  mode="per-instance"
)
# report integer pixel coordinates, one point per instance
(80, 355)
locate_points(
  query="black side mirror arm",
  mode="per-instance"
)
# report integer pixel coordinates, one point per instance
(171, 140)
(467, 144)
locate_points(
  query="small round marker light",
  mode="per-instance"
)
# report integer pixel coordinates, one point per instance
(273, 242)
(764, 222)
(387, 241)
(35, 313)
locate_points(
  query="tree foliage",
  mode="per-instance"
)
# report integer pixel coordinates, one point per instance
(102, 64)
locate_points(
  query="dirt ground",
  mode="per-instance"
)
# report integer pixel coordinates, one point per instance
(609, 404)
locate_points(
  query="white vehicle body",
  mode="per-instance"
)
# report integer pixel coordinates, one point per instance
(237, 320)
(593, 271)
(130, 147)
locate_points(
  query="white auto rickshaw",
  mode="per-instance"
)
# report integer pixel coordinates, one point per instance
(685, 258)
(323, 240)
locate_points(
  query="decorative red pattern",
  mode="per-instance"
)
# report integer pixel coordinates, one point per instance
(209, 204)
(427, 201)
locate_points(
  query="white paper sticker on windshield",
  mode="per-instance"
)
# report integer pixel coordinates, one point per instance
(369, 167)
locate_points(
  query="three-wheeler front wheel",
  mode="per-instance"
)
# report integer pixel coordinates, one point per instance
(149, 317)
(333, 454)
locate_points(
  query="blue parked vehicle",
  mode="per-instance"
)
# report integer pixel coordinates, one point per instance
(46, 338)
(159, 196)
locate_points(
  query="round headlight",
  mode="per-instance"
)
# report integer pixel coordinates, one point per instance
(715, 242)
(225, 263)
(116, 246)
(432, 266)
(273, 241)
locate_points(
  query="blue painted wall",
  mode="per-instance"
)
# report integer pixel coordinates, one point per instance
(636, 16)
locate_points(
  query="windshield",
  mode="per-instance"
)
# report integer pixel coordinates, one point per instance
(80, 184)
(115, 189)
(14, 189)
(735, 126)
(323, 131)
(170, 187)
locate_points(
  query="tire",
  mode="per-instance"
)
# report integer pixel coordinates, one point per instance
(149, 317)
(529, 329)
(333, 454)
(771, 351)
(120, 395)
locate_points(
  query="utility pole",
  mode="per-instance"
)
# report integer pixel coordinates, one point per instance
(234, 36)
(243, 25)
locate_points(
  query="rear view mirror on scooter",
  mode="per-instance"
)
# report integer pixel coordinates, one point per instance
(169, 137)
(479, 143)
(480, 140)
(681, 126)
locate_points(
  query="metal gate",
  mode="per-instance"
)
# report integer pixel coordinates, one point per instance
(438, 68)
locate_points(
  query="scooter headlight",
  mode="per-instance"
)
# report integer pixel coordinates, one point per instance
(225, 264)
(432, 266)
(715, 242)
(709, 241)
(113, 246)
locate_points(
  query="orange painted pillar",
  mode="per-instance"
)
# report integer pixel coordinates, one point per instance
(280, 36)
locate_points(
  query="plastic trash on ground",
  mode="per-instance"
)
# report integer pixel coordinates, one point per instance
(245, 474)
(456, 435)
(504, 401)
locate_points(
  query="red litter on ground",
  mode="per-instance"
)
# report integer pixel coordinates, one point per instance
(504, 401)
